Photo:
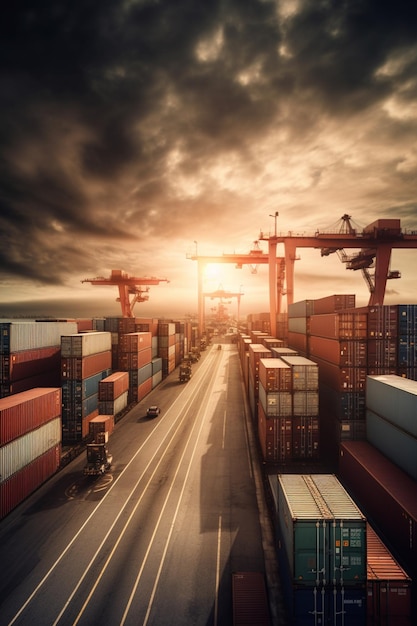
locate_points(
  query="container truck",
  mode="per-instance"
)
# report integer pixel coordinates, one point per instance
(185, 372)
(99, 459)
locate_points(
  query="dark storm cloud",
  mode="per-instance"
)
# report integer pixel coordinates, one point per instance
(107, 106)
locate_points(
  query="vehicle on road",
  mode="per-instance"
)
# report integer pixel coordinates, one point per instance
(99, 459)
(153, 411)
(185, 372)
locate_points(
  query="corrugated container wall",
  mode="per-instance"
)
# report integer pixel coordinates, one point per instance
(18, 336)
(85, 344)
(26, 411)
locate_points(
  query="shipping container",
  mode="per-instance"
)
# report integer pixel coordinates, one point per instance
(298, 342)
(113, 386)
(299, 325)
(329, 606)
(24, 482)
(275, 437)
(395, 399)
(407, 319)
(113, 407)
(387, 495)
(347, 325)
(340, 352)
(78, 390)
(20, 335)
(135, 342)
(275, 403)
(396, 444)
(389, 588)
(275, 375)
(341, 378)
(156, 365)
(85, 344)
(257, 351)
(135, 360)
(383, 322)
(25, 449)
(305, 373)
(250, 599)
(305, 437)
(322, 532)
(77, 368)
(278, 353)
(303, 308)
(26, 411)
(120, 325)
(46, 380)
(336, 302)
(18, 365)
(101, 424)
(305, 403)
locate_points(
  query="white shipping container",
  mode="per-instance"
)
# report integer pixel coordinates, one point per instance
(113, 407)
(395, 399)
(399, 446)
(275, 403)
(156, 379)
(305, 373)
(85, 344)
(32, 335)
(25, 449)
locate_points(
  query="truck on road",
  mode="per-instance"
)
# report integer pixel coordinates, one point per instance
(99, 459)
(185, 372)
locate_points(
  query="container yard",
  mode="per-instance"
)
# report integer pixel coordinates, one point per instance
(332, 404)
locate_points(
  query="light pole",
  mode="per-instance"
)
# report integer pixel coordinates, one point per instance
(275, 217)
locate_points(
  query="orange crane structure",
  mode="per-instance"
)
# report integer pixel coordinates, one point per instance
(221, 294)
(375, 243)
(254, 258)
(128, 286)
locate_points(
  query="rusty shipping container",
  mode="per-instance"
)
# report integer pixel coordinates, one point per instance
(77, 368)
(388, 586)
(387, 495)
(113, 386)
(21, 484)
(27, 411)
(85, 344)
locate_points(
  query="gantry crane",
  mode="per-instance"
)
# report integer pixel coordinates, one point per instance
(254, 258)
(222, 295)
(128, 286)
(375, 243)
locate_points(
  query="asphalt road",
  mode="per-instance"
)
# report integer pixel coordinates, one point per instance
(155, 541)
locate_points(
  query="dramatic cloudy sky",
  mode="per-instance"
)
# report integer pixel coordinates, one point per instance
(131, 129)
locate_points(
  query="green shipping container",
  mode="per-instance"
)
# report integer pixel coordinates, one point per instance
(322, 531)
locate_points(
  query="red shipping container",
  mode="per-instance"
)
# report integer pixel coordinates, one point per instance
(275, 375)
(27, 363)
(78, 368)
(113, 386)
(46, 379)
(101, 424)
(346, 325)
(341, 378)
(135, 360)
(337, 302)
(136, 394)
(382, 353)
(135, 342)
(26, 411)
(305, 437)
(298, 341)
(257, 351)
(21, 484)
(345, 353)
(383, 322)
(385, 493)
(85, 423)
(388, 585)
(275, 437)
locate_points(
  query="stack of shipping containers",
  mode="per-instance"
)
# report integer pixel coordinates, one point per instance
(30, 354)
(166, 346)
(135, 357)
(322, 548)
(113, 394)
(391, 419)
(407, 341)
(30, 443)
(386, 494)
(388, 586)
(288, 419)
(257, 351)
(85, 360)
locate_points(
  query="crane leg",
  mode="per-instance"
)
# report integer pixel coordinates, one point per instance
(382, 262)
